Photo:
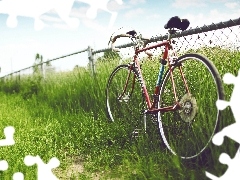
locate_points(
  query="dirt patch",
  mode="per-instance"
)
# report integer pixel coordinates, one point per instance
(74, 170)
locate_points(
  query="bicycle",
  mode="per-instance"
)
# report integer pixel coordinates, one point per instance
(185, 117)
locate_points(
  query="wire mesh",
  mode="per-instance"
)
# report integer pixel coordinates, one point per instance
(214, 37)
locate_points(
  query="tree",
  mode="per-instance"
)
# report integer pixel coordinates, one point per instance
(48, 63)
(38, 60)
(49, 69)
(109, 54)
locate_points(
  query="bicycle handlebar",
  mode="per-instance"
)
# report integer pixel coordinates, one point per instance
(113, 40)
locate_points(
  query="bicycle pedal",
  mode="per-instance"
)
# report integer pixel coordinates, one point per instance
(154, 118)
(135, 133)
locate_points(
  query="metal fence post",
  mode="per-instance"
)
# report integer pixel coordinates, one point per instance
(19, 76)
(91, 60)
(42, 70)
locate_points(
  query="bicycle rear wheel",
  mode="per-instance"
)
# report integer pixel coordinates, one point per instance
(124, 99)
(188, 131)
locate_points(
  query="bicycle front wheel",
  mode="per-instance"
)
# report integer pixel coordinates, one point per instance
(124, 99)
(188, 131)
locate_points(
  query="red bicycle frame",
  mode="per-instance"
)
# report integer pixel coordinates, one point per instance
(152, 104)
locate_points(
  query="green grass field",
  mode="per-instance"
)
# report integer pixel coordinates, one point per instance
(64, 116)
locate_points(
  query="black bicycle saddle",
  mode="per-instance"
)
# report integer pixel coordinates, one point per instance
(176, 22)
(132, 33)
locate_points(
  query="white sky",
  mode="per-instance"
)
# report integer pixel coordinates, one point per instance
(19, 45)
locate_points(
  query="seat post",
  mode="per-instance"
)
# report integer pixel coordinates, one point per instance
(171, 31)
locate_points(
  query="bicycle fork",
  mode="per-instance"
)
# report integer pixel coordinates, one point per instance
(155, 108)
(127, 81)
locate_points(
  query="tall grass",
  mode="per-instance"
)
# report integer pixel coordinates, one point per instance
(64, 115)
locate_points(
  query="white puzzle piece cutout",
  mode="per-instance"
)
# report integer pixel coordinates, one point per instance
(44, 171)
(35, 8)
(232, 131)
(8, 141)
(8, 132)
(18, 176)
(3, 165)
(100, 4)
(233, 171)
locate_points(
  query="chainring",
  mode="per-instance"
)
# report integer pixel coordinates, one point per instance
(188, 108)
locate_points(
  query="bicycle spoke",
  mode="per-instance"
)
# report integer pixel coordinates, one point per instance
(192, 128)
(124, 99)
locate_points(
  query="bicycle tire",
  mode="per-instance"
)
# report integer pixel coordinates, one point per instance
(118, 110)
(209, 90)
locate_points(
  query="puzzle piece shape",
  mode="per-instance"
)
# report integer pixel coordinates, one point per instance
(18, 176)
(231, 131)
(8, 132)
(221, 104)
(100, 4)
(44, 170)
(36, 8)
(233, 171)
(3, 165)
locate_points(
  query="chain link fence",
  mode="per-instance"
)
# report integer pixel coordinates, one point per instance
(222, 35)
(225, 35)
(46, 68)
